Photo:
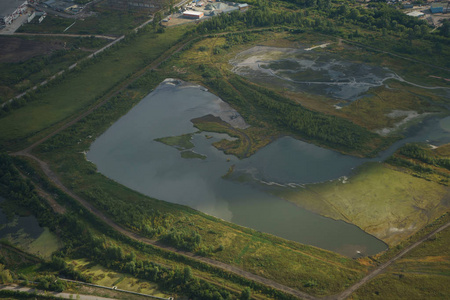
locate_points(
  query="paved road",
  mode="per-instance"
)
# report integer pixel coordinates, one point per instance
(61, 295)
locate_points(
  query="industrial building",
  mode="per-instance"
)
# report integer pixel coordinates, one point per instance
(415, 14)
(193, 14)
(63, 6)
(437, 8)
(243, 6)
(137, 5)
(11, 10)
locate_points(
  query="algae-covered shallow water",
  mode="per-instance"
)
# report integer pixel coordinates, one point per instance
(20, 229)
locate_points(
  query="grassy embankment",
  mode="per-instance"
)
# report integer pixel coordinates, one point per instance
(423, 273)
(82, 88)
(400, 204)
(259, 253)
(24, 265)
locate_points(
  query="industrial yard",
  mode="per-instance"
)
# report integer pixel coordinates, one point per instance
(201, 9)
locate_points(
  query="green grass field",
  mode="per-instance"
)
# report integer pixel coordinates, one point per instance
(105, 21)
(399, 204)
(80, 89)
(424, 273)
(109, 278)
(45, 244)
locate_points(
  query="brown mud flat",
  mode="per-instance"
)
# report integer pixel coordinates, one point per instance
(18, 50)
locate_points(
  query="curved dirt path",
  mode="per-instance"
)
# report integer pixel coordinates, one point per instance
(55, 179)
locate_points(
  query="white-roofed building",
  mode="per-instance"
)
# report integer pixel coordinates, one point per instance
(415, 14)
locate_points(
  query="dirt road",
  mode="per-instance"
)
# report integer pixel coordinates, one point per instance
(67, 35)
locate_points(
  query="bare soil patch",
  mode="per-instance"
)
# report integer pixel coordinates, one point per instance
(17, 50)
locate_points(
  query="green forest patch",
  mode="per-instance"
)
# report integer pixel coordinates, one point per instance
(105, 277)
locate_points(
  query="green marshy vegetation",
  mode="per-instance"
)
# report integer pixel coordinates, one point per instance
(423, 161)
(183, 144)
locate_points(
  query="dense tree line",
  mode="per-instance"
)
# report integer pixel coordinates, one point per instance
(177, 280)
(14, 188)
(422, 162)
(426, 156)
(259, 103)
(261, 17)
(324, 17)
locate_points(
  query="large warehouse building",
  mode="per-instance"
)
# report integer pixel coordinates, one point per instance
(193, 14)
(10, 10)
(137, 5)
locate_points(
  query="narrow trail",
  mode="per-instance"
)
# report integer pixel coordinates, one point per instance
(67, 35)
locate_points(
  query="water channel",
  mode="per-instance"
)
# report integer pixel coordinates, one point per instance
(128, 153)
